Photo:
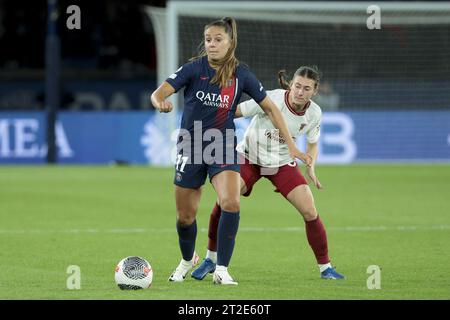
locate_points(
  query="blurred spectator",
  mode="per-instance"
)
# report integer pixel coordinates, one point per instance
(21, 32)
(114, 36)
(327, 98)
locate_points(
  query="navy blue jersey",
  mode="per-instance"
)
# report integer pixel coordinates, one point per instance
(213, 106)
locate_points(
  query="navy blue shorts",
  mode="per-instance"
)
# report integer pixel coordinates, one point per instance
(193, 176)
(192, 165)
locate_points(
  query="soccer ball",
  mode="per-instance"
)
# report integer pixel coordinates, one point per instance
(133, 273)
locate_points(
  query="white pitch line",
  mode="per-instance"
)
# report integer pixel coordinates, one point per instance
(204, 230)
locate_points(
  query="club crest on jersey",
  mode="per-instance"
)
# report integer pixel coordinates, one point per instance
(302, 126)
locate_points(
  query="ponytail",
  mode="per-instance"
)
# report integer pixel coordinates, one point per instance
(282, 80)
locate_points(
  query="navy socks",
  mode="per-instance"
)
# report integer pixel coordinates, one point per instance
(186, 238)
(226, 235)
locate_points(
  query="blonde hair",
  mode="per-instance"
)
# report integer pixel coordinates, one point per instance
(226, 66)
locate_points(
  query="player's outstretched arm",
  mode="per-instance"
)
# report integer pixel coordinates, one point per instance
(277, 119)
(312, 150)
(160, 95)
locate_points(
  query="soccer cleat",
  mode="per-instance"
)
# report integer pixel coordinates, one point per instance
(331, 273)
(221, 276)
(206, 267)
(183, 268)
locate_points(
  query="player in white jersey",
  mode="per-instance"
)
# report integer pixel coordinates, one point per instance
(266, 155)
(262, 143)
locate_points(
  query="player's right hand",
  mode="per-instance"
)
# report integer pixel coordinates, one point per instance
(306, 158)
(165, 106)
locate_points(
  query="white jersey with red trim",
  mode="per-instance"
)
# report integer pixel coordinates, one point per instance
(262, 144)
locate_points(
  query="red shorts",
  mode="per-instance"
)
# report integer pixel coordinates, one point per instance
(284, 178)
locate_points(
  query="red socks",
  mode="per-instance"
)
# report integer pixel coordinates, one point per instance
(317, 238)
(315, 232)
(213, 225)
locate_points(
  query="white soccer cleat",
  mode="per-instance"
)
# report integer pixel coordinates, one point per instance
(221, 276)
(183, 268)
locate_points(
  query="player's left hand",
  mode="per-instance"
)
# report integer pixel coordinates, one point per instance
(311, 175)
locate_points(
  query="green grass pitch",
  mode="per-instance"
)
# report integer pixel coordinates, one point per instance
(394, 216)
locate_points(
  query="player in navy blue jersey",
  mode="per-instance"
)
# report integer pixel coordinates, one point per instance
(213, 83)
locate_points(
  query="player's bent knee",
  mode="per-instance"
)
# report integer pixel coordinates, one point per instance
(185, 217)
(185, 221)
(230, 205)
(309, 214)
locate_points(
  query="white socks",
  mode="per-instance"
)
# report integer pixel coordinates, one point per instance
(186, 263)
(323, 267)
(212, 255)
(221, 269)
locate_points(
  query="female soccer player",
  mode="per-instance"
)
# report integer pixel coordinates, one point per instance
(303, 116)
(213, 82)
